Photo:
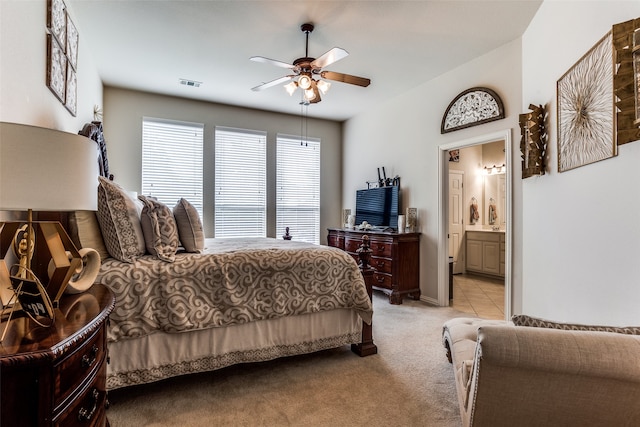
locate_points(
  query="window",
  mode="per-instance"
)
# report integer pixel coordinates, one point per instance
(240, 183)
(298, 188)
(172, 161)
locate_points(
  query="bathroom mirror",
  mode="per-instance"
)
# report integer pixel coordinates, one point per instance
(494, 201)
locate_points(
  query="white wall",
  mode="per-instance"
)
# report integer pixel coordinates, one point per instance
(24, 95)
(404, 135)
(124, 110)
(581, 233)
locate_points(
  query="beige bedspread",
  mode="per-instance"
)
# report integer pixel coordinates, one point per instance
(234, 281)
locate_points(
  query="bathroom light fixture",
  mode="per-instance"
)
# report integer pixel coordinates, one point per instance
(495, 170)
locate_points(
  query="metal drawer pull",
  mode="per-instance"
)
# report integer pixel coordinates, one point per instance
(85, 415)
(90, 359)
(380, 279)
(381, 248)
(380, 263)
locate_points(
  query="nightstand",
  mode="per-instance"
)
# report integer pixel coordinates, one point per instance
(56, 376)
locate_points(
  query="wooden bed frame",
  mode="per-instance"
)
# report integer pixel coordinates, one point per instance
(365, 347)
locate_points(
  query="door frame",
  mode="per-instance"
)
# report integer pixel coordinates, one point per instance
(443, 213)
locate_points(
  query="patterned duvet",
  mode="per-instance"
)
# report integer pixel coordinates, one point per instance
(234, 281)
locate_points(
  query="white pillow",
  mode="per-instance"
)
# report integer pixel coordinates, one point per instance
(85, 232)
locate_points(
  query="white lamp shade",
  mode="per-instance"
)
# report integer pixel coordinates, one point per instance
(46, 169)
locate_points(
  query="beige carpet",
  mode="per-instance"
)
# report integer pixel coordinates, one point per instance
(408, 383)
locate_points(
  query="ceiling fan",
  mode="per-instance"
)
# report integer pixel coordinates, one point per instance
(308, 73)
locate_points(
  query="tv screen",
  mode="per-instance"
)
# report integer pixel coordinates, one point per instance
(378, 206)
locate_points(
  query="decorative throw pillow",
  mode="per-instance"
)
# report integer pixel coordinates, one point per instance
(190, 227)
(119, 222)
(524, 320)
(159, 229)
(84, 231)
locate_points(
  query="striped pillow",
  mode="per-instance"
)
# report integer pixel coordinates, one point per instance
(524, 320)
(119, 220)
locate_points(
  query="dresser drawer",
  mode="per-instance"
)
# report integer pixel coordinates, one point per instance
(72, 370)
(381, 248)
(352, 245)
(88, 408)
(382, 280)
(382, 265)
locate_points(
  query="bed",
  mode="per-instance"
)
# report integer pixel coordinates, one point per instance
(231, 301)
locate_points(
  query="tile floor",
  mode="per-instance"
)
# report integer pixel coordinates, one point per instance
(479, 296)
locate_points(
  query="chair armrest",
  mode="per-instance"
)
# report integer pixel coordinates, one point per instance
(538, 376)
(596, 354)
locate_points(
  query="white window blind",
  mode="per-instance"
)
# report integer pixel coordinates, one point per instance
(298, 188)
(240, 183)
(172, 161)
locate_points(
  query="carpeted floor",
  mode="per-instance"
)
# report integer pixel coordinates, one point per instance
(408, 383)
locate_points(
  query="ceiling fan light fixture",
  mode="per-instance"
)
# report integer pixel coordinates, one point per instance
(291, 88)
(304, 82)
(324, 86)
(309, 94)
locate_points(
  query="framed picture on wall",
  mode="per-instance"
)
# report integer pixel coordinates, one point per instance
(586, 131)
(72, 42)
(56, 68)
(57, 21)
(71, 90)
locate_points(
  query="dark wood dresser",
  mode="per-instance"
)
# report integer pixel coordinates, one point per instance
(56, 376)
(395, 256)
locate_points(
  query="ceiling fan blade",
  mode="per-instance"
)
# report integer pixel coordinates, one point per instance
(330, 57)
(271, 83)
(272, 62)
(345, 78)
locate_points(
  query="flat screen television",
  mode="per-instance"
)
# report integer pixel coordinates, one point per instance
(378, 206)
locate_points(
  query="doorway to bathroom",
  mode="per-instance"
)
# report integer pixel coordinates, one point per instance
(474, 226)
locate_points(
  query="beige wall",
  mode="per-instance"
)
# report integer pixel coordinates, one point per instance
(124, 110)
(403, 135)
(582, 234)
(24, 95)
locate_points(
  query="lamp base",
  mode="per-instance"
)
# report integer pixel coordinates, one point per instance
(53, 247)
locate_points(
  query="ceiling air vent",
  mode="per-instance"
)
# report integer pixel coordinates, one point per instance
(192, 83)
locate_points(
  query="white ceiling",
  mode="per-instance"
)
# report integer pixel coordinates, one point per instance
(149, 45)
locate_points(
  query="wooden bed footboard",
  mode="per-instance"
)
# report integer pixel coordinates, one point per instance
(366, 347)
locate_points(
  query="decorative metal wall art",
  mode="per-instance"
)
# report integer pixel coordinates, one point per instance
(533, 142)
(626, 80)
(472, 107)
(62, 54)
(586, 109)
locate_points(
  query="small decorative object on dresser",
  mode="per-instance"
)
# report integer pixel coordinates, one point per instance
(395, 257)
(345, 216)
(412, 220)
(57, 375)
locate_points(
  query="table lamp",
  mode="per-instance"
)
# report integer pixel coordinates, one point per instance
(42, 170)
